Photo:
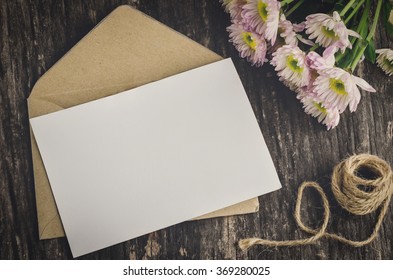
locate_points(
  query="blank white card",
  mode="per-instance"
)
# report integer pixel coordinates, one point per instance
(154, 156)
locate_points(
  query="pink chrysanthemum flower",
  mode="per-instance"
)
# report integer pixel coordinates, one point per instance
(287, 32)
(249, 45)
(290, 64)
(328, 116)
(385, 60)
(234, 8)
(286, 35)
(316, 64)
(262, 16)
(339, 89)
(329, 30)
(326, 61)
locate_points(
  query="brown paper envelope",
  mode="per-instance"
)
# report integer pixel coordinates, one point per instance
(126, 50)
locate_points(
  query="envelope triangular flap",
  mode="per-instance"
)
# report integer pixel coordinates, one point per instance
(125, 50)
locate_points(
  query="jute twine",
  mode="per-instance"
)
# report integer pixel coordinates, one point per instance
(357, 195)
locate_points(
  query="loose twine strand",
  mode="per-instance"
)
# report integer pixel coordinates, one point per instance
(357, 195)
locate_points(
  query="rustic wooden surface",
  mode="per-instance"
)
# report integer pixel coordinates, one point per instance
(36, 33)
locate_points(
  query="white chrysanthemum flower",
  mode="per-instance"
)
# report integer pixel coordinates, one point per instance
(385, 60)
(339, 89)
(234, 8)
(249, 45)
(290, 64)
(328, 116)
(329, 30)
(262, 16)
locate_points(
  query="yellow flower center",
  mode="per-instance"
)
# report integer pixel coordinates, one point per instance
(249, 40)
(337, 86)
(329, 33)
(320, 107)
(262, 10)
(292, 63)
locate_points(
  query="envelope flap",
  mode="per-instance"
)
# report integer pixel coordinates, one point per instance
(127, 49)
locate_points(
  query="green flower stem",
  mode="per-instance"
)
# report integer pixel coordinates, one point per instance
(375, 22)
(347, 7)
(313, 48)
(297, 5)
(358, 57)
(362, 23)
(363, 19)
(286, 2)
(354, 12)
(369, 37)
(342, 55)
(339, 57)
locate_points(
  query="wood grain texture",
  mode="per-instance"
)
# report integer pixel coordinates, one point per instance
(35, 34)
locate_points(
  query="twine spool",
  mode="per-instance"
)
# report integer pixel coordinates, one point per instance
(354, 193)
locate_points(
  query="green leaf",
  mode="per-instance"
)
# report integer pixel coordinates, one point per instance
(386, 10)
(369, 53)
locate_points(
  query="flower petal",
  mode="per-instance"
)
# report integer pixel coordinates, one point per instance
(299, 27)
(328, 55)
(305, 41)
(354, 34)
(336, 16)
(363, 84)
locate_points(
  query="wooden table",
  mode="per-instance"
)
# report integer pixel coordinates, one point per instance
(35, 34)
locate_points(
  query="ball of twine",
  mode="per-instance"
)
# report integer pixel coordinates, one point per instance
(356, 194)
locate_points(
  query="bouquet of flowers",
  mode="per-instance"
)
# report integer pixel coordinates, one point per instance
(315, 58)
